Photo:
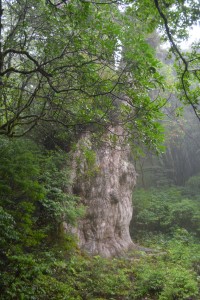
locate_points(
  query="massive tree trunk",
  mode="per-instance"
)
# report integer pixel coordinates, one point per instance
(105, 185)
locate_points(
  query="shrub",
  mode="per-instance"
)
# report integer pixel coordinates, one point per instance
(163, 211)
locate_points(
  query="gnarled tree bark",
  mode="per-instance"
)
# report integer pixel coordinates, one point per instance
(107, 194)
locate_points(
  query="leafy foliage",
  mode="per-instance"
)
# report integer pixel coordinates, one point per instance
(73, 78)
(87, 66)
(33, 204)
(192, 187)
(38, 262)
(162, 210)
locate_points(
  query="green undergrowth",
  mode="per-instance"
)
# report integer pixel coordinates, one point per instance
(38, 261)
(171, 272)
(164, 210)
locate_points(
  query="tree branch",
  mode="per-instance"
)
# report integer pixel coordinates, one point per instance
(180, 55)
(23, 52)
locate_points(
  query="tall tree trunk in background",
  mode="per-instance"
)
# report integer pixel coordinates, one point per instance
(107, 195)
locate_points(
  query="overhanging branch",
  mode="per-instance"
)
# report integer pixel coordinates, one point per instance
(27, 54)
(180, 55)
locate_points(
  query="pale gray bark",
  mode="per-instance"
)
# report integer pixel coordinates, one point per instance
(106, 191)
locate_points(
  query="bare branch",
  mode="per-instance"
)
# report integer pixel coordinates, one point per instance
(23, 52)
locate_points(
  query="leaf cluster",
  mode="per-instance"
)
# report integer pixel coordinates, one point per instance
(34, 203)
(162, 210)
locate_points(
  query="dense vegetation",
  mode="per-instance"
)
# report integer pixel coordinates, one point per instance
(67, 67)
(162, 211)
(39, 262)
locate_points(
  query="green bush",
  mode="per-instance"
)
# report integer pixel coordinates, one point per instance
(192, 186)
(33, 204)
(163, 211)
(179, 284)
(38, 261)
(164, 278)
